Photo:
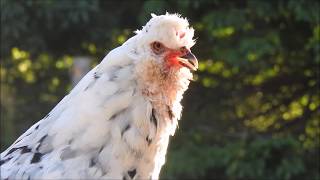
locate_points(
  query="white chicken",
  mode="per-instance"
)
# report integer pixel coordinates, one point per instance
(116, 122)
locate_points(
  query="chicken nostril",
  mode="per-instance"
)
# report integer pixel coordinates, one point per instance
(188, 55)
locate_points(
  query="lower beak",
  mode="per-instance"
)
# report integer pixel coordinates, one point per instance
(189, 61)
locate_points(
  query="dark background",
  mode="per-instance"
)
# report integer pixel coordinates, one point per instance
(253, 111)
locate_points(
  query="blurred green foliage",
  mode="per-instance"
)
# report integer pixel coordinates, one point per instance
(252, 112)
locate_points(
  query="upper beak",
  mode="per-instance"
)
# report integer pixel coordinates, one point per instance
(189, 61)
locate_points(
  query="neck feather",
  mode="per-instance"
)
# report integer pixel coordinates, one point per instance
(164, 89)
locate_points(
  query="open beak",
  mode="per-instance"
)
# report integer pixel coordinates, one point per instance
(189, 61)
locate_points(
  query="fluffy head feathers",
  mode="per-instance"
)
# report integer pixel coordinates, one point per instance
(171, 29)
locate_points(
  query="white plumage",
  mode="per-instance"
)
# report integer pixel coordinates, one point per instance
(116, 123)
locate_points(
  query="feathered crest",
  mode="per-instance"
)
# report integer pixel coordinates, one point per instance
(160, 25)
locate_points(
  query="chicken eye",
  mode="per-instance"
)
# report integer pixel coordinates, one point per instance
(157, 47)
